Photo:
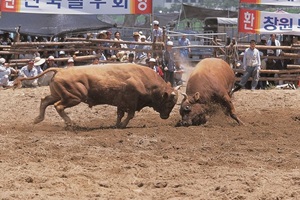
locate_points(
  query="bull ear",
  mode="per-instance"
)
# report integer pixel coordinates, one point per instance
(196, 96)
(165, 95)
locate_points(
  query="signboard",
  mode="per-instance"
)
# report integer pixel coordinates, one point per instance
(77, 6)
(260, 22)
(273, 2)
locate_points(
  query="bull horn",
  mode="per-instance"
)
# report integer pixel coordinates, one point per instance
(184, 95)
(177, 87)
(173, 94)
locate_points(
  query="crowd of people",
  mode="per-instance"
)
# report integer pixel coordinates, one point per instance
(139, 50)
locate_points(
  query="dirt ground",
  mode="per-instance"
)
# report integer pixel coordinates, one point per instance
(151, 159)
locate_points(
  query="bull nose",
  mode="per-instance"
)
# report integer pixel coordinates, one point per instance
(185, 123)
(164, 116)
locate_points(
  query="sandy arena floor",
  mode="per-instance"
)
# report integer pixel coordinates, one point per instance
(151, 159)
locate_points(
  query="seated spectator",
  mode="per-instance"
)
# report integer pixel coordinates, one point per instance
(47, 77)
(131, 58)
(29, 71)
(70, 62)
(49, 63)
(96, 61)
(5, 72)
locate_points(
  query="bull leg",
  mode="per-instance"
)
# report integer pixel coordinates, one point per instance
(120, 115)
(230, 109)
(45, 102)
(130, 115)
(60, 107)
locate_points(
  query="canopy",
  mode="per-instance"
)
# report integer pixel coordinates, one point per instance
(189, 11)
(49, 24)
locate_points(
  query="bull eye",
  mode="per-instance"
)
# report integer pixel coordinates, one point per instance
(187, 108)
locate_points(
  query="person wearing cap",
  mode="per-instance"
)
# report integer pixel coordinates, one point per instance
(29, 71)
(157, 32)
(168, 63)
(70, 62)
(141, 55)
(50, 62)
(153, 64)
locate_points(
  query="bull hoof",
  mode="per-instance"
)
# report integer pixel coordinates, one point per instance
(38, 120)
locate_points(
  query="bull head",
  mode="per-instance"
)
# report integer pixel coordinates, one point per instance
(191, 110)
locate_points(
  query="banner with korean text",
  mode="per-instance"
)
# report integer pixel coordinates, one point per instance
(77, 6)
(260, 22)
(273, 2)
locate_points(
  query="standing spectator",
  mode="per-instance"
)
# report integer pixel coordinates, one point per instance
(184, 42)
(118, 45)
(251, 63)
(108, 52)
(274, 42)
(157, 32)
(168, 63)
(178, 73)
(263, 52)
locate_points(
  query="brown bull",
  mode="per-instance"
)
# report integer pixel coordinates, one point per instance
(210, 83)
(129, 87)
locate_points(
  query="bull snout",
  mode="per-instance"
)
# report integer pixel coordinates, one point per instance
(164, 116)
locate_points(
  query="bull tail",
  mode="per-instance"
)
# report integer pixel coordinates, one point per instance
(18, 81)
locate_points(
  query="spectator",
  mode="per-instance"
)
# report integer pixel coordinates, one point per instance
(47, 77)
(96, 61)
(131, 58)
(5, 72)
(153, 64)
(233, 54)
(157, 32)
(61, 54)
(178, 73)
(184, 42)
(274, 42)
(141, 55)
(168, 64)
(263, 52)
(29, 71)
(251, 63)
(50, 63)
(108, 52)
(113, 58)
(118, 45)
(70, 62)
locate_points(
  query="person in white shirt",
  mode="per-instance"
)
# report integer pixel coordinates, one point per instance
(5, 72)
(29, 70)
(157, 32)
(251, 64)
(274, 42)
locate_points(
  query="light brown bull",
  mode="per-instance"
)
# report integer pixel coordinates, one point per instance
(129, 87)
(211, 82)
